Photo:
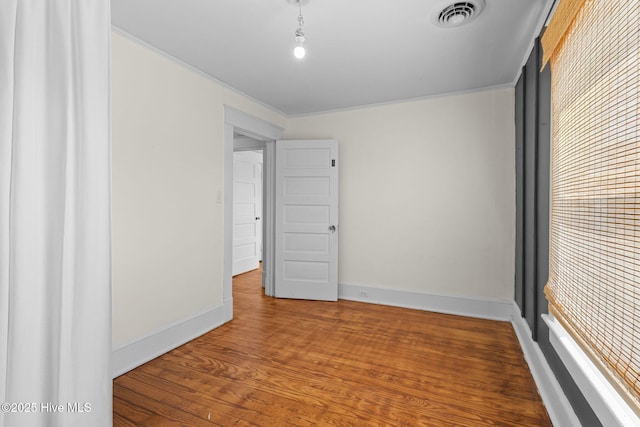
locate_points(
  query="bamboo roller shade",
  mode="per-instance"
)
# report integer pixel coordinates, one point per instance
(594, 284)
(563, 16)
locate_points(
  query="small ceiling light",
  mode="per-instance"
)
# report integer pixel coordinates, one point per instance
(299, 51)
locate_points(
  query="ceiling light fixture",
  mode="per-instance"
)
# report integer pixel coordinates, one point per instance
(299, 51)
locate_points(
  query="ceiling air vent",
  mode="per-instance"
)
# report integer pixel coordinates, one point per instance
(459, 13)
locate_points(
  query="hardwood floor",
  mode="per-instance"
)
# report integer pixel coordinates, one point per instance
(307, 363)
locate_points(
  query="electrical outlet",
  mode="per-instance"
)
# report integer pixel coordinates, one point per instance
(363, 294)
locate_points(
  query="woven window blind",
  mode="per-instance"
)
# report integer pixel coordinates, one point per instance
(563, 17)
(594, 284)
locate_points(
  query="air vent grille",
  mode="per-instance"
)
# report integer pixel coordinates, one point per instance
(459, 13)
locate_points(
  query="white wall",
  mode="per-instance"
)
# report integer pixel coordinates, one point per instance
(427, 191)
(427, 198)
(168, 128)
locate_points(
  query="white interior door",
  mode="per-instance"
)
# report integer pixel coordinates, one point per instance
(306, 219)
(247, 208)
(259, 207)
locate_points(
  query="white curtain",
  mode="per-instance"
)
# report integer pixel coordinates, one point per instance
(55, 236)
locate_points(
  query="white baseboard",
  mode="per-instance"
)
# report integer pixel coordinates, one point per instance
(485, 308)
(558, 406)
(145, 349)
(139, 352)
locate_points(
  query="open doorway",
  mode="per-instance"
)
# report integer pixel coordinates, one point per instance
(244, 132)
(300, 210)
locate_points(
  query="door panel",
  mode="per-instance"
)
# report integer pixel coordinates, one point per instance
(306, 252)
(306, 243)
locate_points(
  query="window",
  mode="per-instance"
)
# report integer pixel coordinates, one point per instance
(594, 284)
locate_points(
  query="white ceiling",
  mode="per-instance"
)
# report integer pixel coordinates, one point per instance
(359, 52)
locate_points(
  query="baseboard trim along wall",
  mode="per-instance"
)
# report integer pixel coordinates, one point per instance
(484, 308)
(557, 404)
(145, 349)
(141, 351)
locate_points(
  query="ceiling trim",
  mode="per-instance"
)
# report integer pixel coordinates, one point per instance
(172, 58)
(539, 25)
(405, 100)
(161, 52)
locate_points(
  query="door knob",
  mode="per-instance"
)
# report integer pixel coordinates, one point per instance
(332, 228)
(257, 218)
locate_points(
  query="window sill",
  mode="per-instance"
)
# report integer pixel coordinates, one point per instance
(606, 402)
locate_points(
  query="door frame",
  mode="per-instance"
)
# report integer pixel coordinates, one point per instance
(240, 122)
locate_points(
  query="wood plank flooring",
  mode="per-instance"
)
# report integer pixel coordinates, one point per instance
(307, 363)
